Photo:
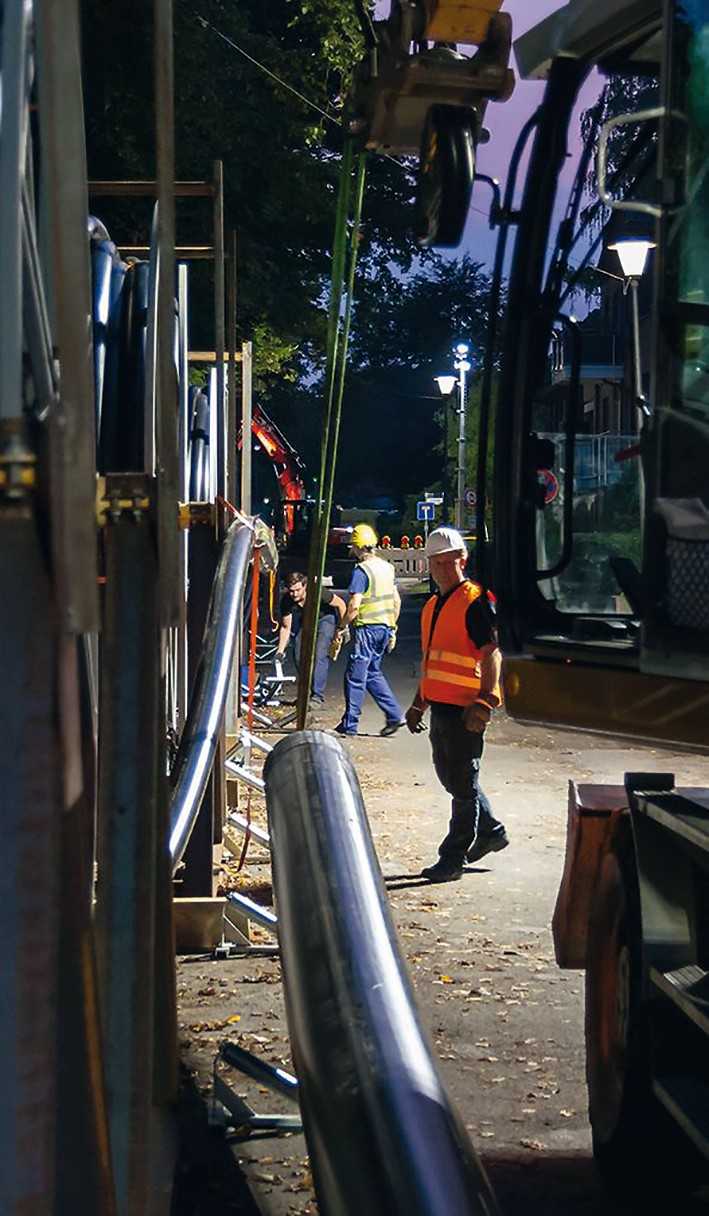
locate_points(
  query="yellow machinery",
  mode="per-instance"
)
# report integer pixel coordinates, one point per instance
(416, 94)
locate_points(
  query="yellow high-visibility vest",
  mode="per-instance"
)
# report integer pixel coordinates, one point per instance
(378, 606)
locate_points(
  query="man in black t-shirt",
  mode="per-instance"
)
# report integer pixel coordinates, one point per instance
(460, 684)
(330, 617)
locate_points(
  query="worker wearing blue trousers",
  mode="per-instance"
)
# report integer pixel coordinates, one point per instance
(372, 613)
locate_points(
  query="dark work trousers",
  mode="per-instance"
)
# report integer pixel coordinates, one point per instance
(456, 759)
(321, 663)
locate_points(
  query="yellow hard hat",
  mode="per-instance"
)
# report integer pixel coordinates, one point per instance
(363, 537)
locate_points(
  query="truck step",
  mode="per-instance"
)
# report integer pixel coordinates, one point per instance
(688, 989)
(685, 814)
(687, 1101)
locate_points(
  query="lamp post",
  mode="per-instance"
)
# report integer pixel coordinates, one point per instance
(462, 366)
(632, 255)
(446, 386)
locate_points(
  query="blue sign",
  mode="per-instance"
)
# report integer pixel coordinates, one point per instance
(426, 511)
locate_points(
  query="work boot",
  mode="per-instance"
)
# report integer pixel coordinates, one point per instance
(340, 730)
(494, 842)
(444, 870)
(392, 727)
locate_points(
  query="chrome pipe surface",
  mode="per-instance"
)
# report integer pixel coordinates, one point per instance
(249, 829)
(382, 1133)
(199, 740)
(255, 912)
(243, 774)
(277, 1079)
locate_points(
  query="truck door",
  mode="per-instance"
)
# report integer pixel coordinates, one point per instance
(675, 634)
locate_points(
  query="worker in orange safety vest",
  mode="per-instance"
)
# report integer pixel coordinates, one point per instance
(460, 684)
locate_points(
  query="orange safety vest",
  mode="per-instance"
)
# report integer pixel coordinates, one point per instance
(451, 660)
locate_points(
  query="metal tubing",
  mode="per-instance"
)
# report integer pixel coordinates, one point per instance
(170, 549)
(259, 745)
(202, 729)
(244, 775)
(382, 1134)
(244, 1119)
(12, 167)
(220, 327)
(232, 419)
(277, 1079)
(246, 413)
(249, 829)
(260, 916)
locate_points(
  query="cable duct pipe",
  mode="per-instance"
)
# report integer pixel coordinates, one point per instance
(382, 1135)
(198, 744)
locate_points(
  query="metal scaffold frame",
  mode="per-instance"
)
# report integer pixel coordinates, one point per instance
(121, 620)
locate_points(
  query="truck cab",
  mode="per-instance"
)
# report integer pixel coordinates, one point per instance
(601, 538)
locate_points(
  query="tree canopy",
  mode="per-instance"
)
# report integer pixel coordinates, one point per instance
(281, 157)
(281, 164)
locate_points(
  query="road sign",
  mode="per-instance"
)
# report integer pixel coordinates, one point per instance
(426, 511)
(551, 484)
(436, 499)
(471, 498)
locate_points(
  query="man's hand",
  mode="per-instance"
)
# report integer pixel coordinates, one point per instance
(477, 716)
(391, 644)
(414, 719)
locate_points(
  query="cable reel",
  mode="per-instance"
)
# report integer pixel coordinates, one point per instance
(415, 94)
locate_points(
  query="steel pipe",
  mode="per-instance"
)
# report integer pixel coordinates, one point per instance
(382, 1135)
(199, 740)
(259, 915)
(249, 829)
(243, 774)
(277, 1079)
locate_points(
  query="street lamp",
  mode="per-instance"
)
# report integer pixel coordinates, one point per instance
(632, 255)
(447, 385)
(462, 366)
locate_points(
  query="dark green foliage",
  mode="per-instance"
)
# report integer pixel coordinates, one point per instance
(281, 159)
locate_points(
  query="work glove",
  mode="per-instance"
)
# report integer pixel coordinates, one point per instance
(477, 716)
(391, 644)
(414, 719)
(341, 637)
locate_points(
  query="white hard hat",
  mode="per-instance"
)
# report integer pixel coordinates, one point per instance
(445, 540)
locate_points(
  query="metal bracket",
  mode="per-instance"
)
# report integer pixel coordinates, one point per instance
(196, 514)
(18, 464)
(229, 1110)
(119, 494)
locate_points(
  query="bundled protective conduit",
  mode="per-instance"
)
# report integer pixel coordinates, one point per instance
(383, 1137)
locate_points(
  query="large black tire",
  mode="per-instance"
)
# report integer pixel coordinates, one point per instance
(639, 1150)
(446, 172)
